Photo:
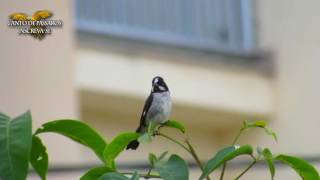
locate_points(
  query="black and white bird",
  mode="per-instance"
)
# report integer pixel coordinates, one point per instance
(157, 108)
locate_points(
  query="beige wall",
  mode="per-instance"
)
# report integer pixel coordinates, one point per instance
(290, 29)
(38, 75)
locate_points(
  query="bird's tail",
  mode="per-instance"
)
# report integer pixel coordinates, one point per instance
(135, 143)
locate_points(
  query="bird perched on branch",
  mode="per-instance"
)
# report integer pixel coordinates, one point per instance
(157, 108)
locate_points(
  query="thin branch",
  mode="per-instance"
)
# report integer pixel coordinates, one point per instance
(233, 143)
(194, 155)
(188, 148)
(223, 170)
(175, 141)
(147, 176)
(150, 169)
(237, 137)
(248, 168)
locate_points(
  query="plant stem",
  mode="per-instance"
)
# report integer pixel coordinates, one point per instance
(175, 141)
(143, 175)
(223, 170)
(237, 137)
(194, 154)
(149, 172)
(233, 143)
(188, 148)
(247, 169)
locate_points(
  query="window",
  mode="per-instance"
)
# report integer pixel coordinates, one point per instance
(219, 25)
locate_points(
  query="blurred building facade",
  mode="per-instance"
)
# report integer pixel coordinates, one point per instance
(267, 71)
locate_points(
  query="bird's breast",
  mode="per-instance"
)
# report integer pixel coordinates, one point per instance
(160, 109)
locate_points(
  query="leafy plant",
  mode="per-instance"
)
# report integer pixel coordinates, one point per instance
(15, 143)
(19, 147)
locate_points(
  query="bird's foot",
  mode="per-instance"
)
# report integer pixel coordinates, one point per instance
(156, 133)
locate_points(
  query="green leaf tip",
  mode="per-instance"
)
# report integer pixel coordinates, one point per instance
(223, 156)
(260, 124)
(117, 145)
(175, 124)
(175, 168)
(77, 131)
(302, 167)
(152, 159)
(39, 157)
(268, 157)
(113, 176)
(95, 173)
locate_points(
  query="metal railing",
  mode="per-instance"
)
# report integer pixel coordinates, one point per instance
(221, 25)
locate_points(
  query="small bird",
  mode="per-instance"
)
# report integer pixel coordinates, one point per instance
(157, 108)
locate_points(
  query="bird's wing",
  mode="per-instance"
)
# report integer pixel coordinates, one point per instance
(146, 108)
(43, 14)
(18, 17)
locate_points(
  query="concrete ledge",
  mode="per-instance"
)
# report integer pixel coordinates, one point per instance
(203, 87)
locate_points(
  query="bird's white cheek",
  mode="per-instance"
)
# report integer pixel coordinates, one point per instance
(162, 88)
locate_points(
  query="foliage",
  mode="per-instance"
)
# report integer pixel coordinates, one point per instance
(77, 131)
(268, 157)
(15, 143)
(302, 167)
(117, 145)
(223, 156)
(39, 157)
(19, 147)
(174, 168)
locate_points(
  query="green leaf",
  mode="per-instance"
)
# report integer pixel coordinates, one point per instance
(15, 146)
(135, 176)
(117, 145)
(302, 167)
(175, 168)
(3, 116)
(39, 157)
(271, 133)
(152, 159)
(162, 155)
(77, 131)
(95, 173)
(145, 138)
(113, 176)
(269, 159)
(151, 127)
(223, 156)
(260, 124)
(175, 124)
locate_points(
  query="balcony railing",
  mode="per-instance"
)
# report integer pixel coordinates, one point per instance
(220, 25)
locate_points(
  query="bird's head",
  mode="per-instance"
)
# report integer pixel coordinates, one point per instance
(158, 85)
